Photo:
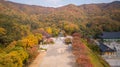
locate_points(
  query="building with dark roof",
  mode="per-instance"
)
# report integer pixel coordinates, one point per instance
(110, 36)
(105, 50)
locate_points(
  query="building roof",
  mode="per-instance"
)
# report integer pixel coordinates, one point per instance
(105, 48)
(110, 35)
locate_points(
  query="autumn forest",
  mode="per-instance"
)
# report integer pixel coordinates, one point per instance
(21, 26)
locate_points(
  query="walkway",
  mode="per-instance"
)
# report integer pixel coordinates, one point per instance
(59, 55)
(114, 62)
(38, 60)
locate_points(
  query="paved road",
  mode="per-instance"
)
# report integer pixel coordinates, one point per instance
(59, 55)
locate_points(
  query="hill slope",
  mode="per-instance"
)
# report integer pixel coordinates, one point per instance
(19, 20)
(92, 19)
(68, 11)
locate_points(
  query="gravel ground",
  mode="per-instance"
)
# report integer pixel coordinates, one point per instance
(113, 62)
(59, 55)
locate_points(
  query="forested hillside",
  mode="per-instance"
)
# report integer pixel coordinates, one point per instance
(19, 23)
(95, 17)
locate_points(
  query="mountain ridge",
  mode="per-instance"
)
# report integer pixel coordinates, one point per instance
(47, 10)
(90, 18)
(114, 2)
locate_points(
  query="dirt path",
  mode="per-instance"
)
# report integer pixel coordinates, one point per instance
(38, 60)
(58, 55)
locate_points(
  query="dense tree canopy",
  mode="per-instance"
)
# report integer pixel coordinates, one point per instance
(23, 26)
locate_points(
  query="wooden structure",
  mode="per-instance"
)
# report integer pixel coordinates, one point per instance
(105, 50)
(110, 36)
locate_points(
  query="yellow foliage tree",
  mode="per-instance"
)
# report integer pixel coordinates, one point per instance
(39, 36)
(11, 60)
(2, 31)
(49, 30)
(70, 27)
(55, 31)
(29, 41)
(10, 46)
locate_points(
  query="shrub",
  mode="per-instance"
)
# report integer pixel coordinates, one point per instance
(94, 48)
(11, 60)
(48, 41)
(84, 56)
(33, 52)
(68, 41)
(81, 53)
(10, 46)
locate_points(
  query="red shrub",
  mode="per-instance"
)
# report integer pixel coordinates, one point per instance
(80, 51)
(76, 35)
(33, 52)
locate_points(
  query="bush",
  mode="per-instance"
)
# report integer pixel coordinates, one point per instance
(23, 55)
(68, 41)
(84, 56)
(19, 52)
(48, 41)
(33, 52)
(11, 60)
(10, 46)
(95, 48)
